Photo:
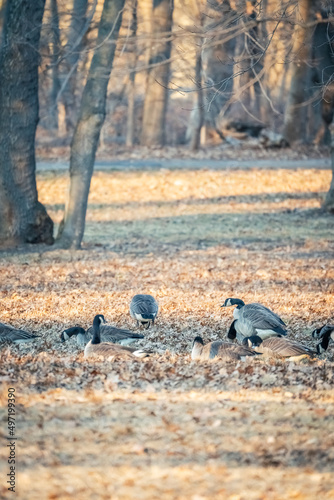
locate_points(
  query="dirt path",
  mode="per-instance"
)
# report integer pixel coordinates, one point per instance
(190, 164)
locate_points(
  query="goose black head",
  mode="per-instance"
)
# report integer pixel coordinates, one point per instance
(252, 341)
(99, 318)
(326, 335)
(69, 332)
(233, 302)
(318, 333)
(198, 340)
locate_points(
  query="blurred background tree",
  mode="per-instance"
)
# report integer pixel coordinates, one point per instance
(22, 217)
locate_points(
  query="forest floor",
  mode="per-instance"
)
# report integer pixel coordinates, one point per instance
(168, 427)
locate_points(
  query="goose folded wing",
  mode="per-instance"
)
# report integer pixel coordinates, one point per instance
(145, 307)
(8, 332)
(263, 319)
(107, 350)
(111, 333)
(232, 351)
(284, 347)
(268, 311)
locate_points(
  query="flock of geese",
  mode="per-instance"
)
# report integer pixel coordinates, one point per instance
(258, 331)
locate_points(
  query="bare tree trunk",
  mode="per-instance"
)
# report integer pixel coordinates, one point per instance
(275, 81)
(198, 116)
(329, 200)
(87, 132)
(144, 28)
(196, 119)
(22, 217)
(73, 47)
(245, 106)
(295, 112)
(322, 78)
(130, 129)
(217, 60)
(155, 106)
(54, 52)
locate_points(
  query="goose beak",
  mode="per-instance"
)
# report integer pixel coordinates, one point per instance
(61, 336)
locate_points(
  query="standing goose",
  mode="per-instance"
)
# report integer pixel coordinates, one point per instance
(108, 334)
(106, 349)
(218, 349)
(325, 333)
(253, 319)
(144, 309)
(10, 334)
(277, 347)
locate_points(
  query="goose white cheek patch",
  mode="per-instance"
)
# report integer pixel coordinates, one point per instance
(140, 317)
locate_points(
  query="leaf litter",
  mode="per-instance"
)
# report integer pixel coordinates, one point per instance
(166, 426)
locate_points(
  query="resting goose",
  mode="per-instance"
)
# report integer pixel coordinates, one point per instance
(218, 349)
(325, 333)
(277, 347)
(108, 334)
(144, 309)
(253, 319)
(106, 349)
(10, 334)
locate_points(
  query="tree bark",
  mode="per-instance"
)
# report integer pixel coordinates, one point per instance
(69, 70)
(130, 125)
(197, 116)
(245, 107)
(322, 78)
(87, 132)
(276, 78)
(295, 112)
(329, 200)
(155, 105)
(217, 63)
(22, 217)
(54, 55)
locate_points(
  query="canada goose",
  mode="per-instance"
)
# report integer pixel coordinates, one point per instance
(277, 347)
(10, 334)
(144, 309)
(108, 334)
(325, 333)
(106, 349)
(218, 349)
(253, 319)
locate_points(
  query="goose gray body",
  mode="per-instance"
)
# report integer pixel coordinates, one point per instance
(277, 347)
(96, 348)
(144, 309)
(254, 319)
(326, 334)
(219, 349)
(108, 334)
(11, 334)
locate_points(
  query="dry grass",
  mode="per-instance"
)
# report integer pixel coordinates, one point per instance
(168, 427)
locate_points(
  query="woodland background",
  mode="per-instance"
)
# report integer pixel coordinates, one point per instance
(254, 74)
(194, 197)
